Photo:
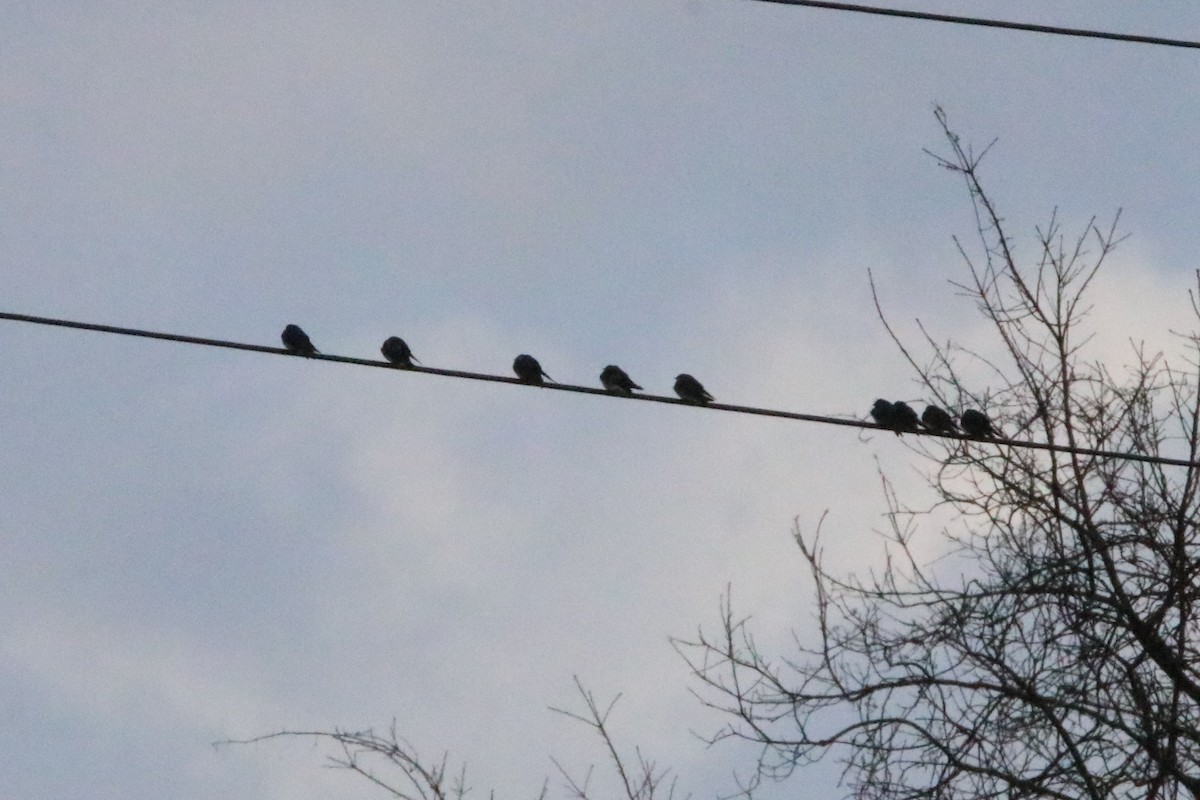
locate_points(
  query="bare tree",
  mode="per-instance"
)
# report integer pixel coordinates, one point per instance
(1051, 651)
(387, 760)
(394, 765)
(640, 779)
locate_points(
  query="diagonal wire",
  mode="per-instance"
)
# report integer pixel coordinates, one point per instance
(567, 387)
(989, 23)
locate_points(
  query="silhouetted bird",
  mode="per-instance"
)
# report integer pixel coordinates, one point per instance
(881, 412)
(617, 381)
(904, 419)
(396, 350)
(689, 389)
(297, 342)
(529, 370)
(976, 424)
(938, 421)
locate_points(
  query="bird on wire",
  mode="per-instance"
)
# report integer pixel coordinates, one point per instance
(937, 420)
(297, 342)
(690, 390)
(976, 424)
(881, 412)
(617, 381)
(904, 418)
(529, 370)
(397, 351)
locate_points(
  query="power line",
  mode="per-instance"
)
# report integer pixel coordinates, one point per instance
(989, 23)
(567, 387)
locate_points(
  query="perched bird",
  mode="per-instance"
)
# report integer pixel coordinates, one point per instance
(937, 420)
(976, 424)
(882, 413)
(529, 370)
(617, 381)
(690, 389)
(396, 350)
(904, 418)
(297, 342)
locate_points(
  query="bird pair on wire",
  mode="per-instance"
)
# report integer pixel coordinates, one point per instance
(394, 349)
(615, 380)
(900, 417)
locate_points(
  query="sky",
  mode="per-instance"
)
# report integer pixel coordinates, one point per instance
(200, 544)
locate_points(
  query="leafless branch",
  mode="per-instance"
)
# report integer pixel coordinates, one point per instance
(1050, 651)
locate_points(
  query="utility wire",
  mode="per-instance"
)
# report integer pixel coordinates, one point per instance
(567, 387)
(989, 23)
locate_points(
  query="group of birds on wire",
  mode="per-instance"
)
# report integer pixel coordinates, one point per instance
(896, 416)
(528, 369)
(900, 417)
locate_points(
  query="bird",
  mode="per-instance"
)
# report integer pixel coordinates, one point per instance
(529, 370)
(297, 342)
(904, 418)
(397, 351)
(937, 420)
(617, 381)
(882, 413)
(690, 390)
(976, 424)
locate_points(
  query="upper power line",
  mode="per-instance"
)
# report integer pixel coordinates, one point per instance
(566, 387)
(989, 23)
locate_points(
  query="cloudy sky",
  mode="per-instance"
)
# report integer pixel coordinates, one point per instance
(199, 544)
